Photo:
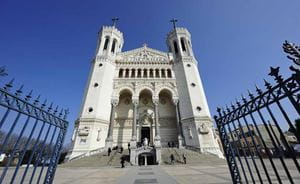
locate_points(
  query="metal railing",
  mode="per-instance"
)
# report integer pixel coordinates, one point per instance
(256, 133)
(31, 137)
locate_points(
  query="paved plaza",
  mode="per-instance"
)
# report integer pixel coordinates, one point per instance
(206, 173)
(166, 174)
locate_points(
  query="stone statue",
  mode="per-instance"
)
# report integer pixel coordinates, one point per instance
(145, 142)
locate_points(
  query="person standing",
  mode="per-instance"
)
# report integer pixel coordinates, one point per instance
(172, 159)
(121, 149)
(128, 148)
(184, 158)
(108, 151)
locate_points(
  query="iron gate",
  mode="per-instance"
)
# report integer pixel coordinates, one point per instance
(258, 133)
(31, 137)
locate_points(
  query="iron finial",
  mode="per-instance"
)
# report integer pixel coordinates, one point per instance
(50, 107)
(61, 112)
(56, 109)
(67, 111)
(19, 91)
(37, 100)
(28, 97)
(44, 104)
(258, 90)
(9, 84)
(293, 51)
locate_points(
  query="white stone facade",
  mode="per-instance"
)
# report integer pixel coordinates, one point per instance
(144, 93)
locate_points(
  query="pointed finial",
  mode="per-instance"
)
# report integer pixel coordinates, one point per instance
(258, 90)
(114, 20)
(66, 113)
(267, 84)
(28, 97)
(3, 71)
(19, 91)
(44, 104)
(174, 22)
(61, 112)
(55, 111)
(274, 71)
(50, 107)
(250, 94)
(37, 100)
(9, 84)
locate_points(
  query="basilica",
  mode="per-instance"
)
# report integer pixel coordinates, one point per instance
(144, 94)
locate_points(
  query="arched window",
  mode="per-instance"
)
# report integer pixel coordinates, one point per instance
(183, 44)
(145, 72)
(175, 47)
(163, 74)
(169, 73)
(121, 73)
(113, 46)
(106, 43)
(133, 73)
(127, 73)
(139, 74)
(157, 73)
(151, 73)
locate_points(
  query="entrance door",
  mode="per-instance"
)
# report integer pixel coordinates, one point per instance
(145, 133)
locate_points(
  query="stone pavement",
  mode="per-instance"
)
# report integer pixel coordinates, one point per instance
(167, 174)
(146, 174)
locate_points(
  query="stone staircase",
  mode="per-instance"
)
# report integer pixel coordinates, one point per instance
(193, 157)
(100, 160)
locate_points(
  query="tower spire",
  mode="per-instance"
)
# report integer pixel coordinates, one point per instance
(114, 21)
(174, 23)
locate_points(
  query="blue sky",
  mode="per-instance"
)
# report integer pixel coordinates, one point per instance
(48, 45)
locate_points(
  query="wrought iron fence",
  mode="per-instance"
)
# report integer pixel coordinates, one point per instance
(258, 134)
(31, 137)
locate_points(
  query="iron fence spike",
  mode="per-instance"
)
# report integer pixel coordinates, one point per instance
(28, 97)
(9, 84)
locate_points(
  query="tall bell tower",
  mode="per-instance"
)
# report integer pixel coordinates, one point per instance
(91, 127)
(195, 117)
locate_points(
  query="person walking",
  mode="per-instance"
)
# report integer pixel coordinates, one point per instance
(184, 158)
(172, 159)
(108, 151)
(122, 162)
(121, 149)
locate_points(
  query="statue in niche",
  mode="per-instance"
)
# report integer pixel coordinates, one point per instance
(146, 118)
(190, 132)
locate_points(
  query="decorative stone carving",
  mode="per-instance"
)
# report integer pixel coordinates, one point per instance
(84, 131)
(144, 54)
(99, 135)
(114, 102)
(203, 128)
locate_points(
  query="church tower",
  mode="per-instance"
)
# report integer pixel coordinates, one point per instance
(195, 117)
(92, 126)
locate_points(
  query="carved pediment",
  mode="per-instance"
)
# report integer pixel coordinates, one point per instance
(144, 54)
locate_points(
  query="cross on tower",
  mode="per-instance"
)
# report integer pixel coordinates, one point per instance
(174, 22)
(114, 20)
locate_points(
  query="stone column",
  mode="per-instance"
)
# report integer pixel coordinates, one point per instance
(134, 122)
(157, 132)
(109, 139)
(175, 101)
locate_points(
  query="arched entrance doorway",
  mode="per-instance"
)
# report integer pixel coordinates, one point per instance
(145, 123)
(146, 159)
